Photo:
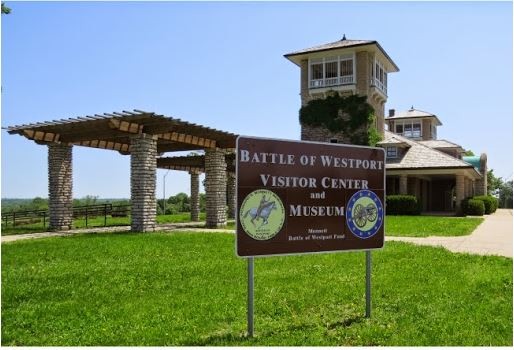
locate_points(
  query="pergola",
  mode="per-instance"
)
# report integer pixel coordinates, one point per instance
(144, 136)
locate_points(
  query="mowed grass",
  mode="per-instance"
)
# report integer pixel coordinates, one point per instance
(424, 226)
(190, 289)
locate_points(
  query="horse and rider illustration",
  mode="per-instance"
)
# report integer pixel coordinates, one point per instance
(263, 211)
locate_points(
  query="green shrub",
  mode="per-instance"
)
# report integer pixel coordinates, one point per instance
(402, 205)
(490, 203)
(474, 207)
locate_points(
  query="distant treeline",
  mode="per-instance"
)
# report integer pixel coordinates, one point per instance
(174, 204)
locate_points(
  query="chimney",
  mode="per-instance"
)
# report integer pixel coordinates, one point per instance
(391, 112)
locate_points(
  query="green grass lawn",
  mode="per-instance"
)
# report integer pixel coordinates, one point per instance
(424, 226)
(190, 289)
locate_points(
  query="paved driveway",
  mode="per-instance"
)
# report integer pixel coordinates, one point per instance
(491, 237)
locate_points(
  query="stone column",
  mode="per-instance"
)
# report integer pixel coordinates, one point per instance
(195, 195)
(403, 184)
(231, 194)
(459, 192)
(60, 187)
(143, 164)
(215, 187)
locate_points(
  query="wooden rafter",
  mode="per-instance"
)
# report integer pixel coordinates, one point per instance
(41, 136)
(125, 126)
(122, 147)
(189, 139)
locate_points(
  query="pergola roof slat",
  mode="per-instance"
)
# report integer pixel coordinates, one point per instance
(78, 130)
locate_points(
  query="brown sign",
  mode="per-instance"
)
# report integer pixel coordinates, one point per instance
(301, 197)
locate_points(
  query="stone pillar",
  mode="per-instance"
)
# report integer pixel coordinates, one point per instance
(215, 187)
(60, 187)
(195, 195)
(403, 184)
(143, 164)
(459, 192)
(304, 82)
(231, 194)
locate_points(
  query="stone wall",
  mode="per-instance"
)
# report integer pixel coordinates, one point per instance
(231, 194)
(195, 196)
(215, 187)
(143, 163)
(60, 187)
(481, 185)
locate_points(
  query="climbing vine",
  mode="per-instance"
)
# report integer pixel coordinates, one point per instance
(351, 115)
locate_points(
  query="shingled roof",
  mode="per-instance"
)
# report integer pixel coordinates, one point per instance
(341, 44)
(420, 156)
(413, 113)
(440, 144)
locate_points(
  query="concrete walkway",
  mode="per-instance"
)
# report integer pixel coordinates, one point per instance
(491, 237)
(183, 226)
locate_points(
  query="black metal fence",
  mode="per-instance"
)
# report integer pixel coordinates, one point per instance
(84, 212)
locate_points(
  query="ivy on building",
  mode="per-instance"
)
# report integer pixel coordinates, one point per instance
(351, 115)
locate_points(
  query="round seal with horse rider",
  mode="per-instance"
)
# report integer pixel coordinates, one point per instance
(262, 214)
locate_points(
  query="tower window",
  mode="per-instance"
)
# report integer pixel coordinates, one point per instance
(331, 71)
(346, 67)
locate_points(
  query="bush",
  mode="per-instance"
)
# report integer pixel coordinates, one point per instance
(490, 203)
(473, 207)
(402, 205)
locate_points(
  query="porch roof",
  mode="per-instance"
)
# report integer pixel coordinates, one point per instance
(420, 156)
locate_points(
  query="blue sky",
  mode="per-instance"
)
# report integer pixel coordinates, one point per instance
(222, 65)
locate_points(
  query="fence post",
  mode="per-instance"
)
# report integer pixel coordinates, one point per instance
(44, 219)
(105, 215)
(87, 206)
(14, 219)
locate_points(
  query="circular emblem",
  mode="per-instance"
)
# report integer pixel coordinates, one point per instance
(364, 214)
(262, 214)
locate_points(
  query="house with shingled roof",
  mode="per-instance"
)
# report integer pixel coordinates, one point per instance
(436, 171)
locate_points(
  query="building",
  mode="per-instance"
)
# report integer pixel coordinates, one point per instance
(436, 171)
(347, 67)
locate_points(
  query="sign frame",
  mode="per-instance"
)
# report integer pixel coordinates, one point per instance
(380, 149)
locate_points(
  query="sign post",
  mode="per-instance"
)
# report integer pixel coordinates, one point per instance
(368, 283)
(250, 297)
(297, 197)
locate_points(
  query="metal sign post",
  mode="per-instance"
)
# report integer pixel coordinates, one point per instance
(368, 283)
(250, 297)
(298, 197)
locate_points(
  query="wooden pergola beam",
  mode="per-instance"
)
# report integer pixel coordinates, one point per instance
(189, 139)
(41, 136)
(125, 126)
(103, 144)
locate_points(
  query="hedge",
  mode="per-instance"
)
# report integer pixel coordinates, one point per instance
(490, 203)
(474, 207)
(402, 205)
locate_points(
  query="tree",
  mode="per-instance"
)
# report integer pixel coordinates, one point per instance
(493, 183)
(506, 195)
(469, 153)
(5, 10)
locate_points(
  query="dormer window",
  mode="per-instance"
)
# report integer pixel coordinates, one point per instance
(392, 152)
(331, 71)
(410, 129)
